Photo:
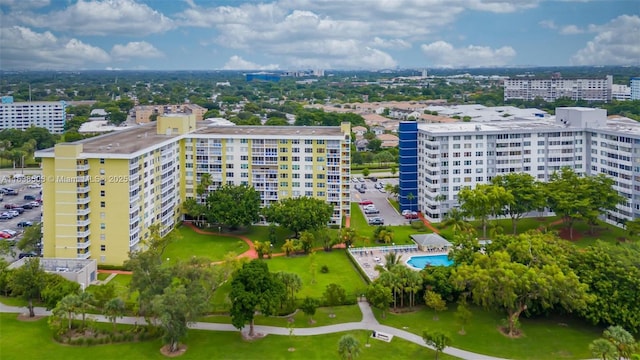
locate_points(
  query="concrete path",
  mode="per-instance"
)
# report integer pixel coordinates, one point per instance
(368, 322)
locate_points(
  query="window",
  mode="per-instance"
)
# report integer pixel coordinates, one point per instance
(103, 237)
(102, 193)
(103, 215)
(101, 161)
(102, 226)
(101, 171)
(103, 204)
(103, 247)
(102, 182)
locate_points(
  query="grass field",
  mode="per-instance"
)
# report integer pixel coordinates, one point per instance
(343, 314)
(213, 247)
(552, 338)
(33, 340)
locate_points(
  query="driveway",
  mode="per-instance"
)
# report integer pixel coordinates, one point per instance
(387, 212)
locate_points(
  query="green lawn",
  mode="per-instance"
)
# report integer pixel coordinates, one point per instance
(103, 276)
(211, 246)
(552, 338)
(343, 314)
(33, 340)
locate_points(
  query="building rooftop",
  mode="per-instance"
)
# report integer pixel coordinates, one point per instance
(271, 130)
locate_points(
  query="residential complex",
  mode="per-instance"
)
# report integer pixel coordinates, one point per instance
(554, 88)
(50, 115)
(634, 84)
(437, 160)
(143, 113)
(101, 195)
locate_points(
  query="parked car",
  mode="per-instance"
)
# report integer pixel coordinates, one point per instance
(13, 213)
(29, 197)
(29, 254)
(10, 206)
(5, 216)
(369, 206)
(376, 221)
(411, 215)
(34, 186)
(34, 203)
(373, 178)
(361, 190)
(19, 209)
(361, 179)
(366, 202)
(371, 211)
(24, 224)
(378, 185)
(11, 192)
(27, 206)
(10, 232)
(4, 235)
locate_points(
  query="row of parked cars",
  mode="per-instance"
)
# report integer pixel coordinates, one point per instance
(370, 210)
(13, 210)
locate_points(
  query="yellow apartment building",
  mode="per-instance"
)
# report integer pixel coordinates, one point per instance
(101, 195)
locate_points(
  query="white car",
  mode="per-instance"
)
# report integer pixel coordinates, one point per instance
(34, 186)
(34, 203)
(10, 232)
(13, 213)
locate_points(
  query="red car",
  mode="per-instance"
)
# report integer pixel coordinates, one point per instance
(5, 235)
(366, 202)
(411, 215)
(10, 206)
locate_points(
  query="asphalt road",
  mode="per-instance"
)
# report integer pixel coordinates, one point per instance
(387, 212)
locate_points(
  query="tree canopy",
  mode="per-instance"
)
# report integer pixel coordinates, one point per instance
(300, 214)
(233, 206)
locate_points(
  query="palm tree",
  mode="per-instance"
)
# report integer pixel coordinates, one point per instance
(455, 219)
(67, 307)
(85, 303)
(603, 349)
(289, 246)
(410, 197)
(391, 260)
(622, 340)
(114, 309)
(348, 347)
(414, 283)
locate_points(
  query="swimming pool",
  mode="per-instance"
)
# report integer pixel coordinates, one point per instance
(419, 262)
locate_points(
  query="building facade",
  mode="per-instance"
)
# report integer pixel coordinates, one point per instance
(101, 195)
(437, 160)
(528, 89)
(144, 113)
(634, 84)
(50, 115)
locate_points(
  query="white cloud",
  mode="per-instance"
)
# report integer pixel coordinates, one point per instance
(136, 49)
(571, 30)
(102, 17)
(24, 4)
(548, 24)
(390, 43)
(22, 48)
(443, 54)
(237, 63)
(616, 43)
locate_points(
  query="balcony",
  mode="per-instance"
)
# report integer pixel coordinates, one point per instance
(84, 234)
(84, 256)
(83, 245)
(83, 200)
(83, 223)
(83, 212)
(82, 167)
(83, 189)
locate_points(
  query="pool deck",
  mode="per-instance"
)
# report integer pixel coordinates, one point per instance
(368, 257)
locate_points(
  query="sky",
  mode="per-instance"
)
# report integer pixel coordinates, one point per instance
(315, 34)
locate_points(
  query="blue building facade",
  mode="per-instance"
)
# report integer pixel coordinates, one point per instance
(408, 178)
(262, 77)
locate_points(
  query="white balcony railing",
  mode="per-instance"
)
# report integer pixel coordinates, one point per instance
(84, 256)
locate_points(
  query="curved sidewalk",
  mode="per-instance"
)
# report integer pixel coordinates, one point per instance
(368, 322)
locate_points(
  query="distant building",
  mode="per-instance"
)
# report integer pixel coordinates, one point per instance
(262, 76)
(50, 115)
(82, 271)
(552, 89)
(635, 88)
(143, 113)
(620, 92)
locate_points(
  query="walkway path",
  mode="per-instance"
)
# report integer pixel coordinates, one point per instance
(368, 322)
(428, 224)
(251, 253)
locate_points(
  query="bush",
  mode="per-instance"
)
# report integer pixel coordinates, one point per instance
(324, 269)
(417, 225)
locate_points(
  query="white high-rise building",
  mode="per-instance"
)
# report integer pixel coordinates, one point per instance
(437, 160)
(552, 89)
(50, 115)
(634, 84)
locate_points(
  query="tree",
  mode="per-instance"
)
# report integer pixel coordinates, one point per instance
(334, 295)
(306, 241)
(391, 260)
(410, 198)
(633, 227)
(603, 197)
(379, 297)
(114, 309)
(528, 271)
(348, 347)
(455, 219)
(262, 248)
(292, 284)
(233, 205)
(31, 239)
(437, 340)
(484, 201)
(527, 195)
(433, 300)
(347, 236)
(383, 234)
(28, 281)
(85, 303)
(463, 315)
(254, 288)
(67, 307)
(623, 341)
(414, 284)
(300, 214)
(172, 308)
(374, 145)
(393, 170)
(603, 349)
(55, 288)
(366, 172)
(289, 246)
(308, 307)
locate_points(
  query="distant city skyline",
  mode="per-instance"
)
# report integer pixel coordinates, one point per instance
(315, 34)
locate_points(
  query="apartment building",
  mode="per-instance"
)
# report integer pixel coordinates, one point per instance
(634, 84)
(552, 89)
(101, 195)
(437, 160)
(50, 115)
(143, 113)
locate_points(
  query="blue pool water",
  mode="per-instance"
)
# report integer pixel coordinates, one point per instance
(419, 262)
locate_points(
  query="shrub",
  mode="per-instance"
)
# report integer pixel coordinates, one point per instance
(324, 269)
(417, 225)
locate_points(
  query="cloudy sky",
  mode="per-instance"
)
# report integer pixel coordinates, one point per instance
(308, 34)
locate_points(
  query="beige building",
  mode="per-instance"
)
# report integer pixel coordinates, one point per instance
(143, 113)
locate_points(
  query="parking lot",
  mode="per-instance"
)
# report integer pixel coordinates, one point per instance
(379, 199)
(33, 215)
